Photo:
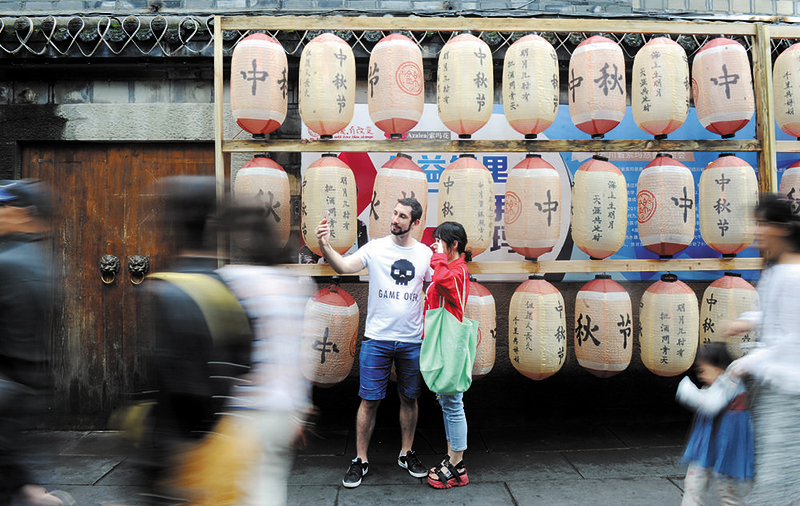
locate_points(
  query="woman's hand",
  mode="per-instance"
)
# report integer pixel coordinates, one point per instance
(730, 328)
(738, 369)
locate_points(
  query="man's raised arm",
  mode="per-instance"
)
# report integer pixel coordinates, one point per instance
(342, 265)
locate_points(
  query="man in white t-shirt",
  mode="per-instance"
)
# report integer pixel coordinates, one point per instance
(398, 265)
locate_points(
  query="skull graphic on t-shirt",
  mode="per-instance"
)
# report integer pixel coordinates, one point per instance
(402, 272)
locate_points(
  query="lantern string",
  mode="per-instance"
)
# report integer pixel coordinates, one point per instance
(360, 43)
(299, 42)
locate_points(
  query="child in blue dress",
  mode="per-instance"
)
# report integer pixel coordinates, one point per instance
(720, 447)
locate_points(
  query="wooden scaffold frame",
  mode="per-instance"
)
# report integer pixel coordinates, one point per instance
(764, 145)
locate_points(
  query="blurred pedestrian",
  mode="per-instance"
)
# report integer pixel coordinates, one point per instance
(273, 403)
(202, 337)
(398, 265)
(449, 288)
(774, 365)
(26, 305)
(720, 447)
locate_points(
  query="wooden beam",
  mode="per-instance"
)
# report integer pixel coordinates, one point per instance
(482, 146)
(221, 160)
(560, 266)
(765, 123)
(457, 24)
(788, 146)
(785, 31)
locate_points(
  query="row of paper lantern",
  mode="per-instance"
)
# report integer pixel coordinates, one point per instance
(721, 85)
(670, 327)
(728, 192)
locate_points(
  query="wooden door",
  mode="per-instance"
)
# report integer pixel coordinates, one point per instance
(105, 206)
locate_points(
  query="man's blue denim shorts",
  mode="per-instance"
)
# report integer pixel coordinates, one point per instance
(376, 364)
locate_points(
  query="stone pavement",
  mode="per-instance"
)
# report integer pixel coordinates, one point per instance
(568, 441)
(627, 463)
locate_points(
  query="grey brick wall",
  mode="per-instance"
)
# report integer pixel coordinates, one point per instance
(472, 7)
(722, 7)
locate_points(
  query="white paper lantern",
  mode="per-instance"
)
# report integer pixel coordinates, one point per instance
(724, 300)
(398, 178)
(465, 84)
(329, 186)
(537, 338)
(603, 328)
(668, 318)
(596, 86)
(262, 182)
(330, 336)
(728, 194)
(790, 185)
(532, 214)
(327, 85)
(530, 85)
(396, 85)
(722, 87)
(259, 81)
(665, 206)
(660, 87)
(481, 308)
(466, 195)
(786, 85)
(599, 208)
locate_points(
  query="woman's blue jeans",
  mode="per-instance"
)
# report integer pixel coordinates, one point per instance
(455, 421)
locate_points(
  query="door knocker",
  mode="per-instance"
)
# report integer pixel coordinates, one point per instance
(138, 267)
(109, 267)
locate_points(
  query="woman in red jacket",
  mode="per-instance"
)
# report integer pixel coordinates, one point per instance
(449, 288)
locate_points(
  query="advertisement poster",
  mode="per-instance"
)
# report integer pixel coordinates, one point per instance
(365, 167)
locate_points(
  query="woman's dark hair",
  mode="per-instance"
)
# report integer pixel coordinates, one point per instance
(190, 203)
(778, 208)
(715, 353)
(254, 237)
(451, 231)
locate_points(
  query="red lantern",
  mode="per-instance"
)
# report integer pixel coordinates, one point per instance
(724, 300)
(466, 195)
(259, 83)
(603, 328)
(532, 207)
(596, 86)
(262, 182)
(669, 325)
(396, 85)
(465, 84)
(481, 308)
(329, 186)
(398, 178)
(331, 335)
(666, 206)
(790, 185)
(537, 341)
(660, 87)
(722, 87)
(327, 93)
(599, 208)
(530, 85)
(728, 194)
(786, 86)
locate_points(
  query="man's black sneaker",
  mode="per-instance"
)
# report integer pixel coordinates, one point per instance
(411, 462)
(357, 469)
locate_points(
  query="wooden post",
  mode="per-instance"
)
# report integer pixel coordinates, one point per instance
(765, 123)
(220, 160)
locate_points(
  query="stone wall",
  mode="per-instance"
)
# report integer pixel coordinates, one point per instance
(603, 8)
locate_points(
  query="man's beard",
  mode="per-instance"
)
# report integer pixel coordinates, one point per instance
(401, 232)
